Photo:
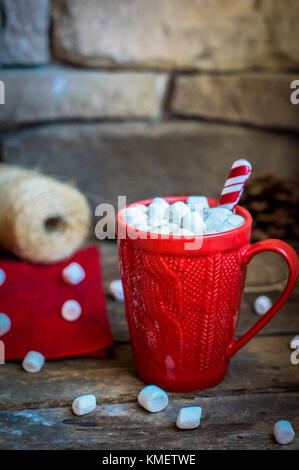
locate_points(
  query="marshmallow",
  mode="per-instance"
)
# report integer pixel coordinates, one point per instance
(236, 220)
(143, 227)
(157, 211)
(163, 230)
(262, 304)
(197, 203)
(140, 220)
(160, 201)
(226, 227)
(283, 432)
(231, 223)
(180, 219)
(84, 404)
(153, 398)
(177, 211)
(173, 227)
(116, 290)
(216, 218)
(130, 212)
(133, 216)
(183, 232)
(5, 324)
(33, 362)
(193, 221)
(142, 208)
(154, 223)
(2, 277)
(294, 344)
(189, 417)
(73, 274)
(71, 310)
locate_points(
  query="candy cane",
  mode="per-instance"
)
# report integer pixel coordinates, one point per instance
(234, 185)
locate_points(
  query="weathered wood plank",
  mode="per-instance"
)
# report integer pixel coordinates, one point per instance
(239, 422)
(263, 366)
(286, 322)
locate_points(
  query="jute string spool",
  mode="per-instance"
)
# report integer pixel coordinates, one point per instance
(41, 220)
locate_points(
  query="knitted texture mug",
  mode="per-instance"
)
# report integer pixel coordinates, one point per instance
(183, 305)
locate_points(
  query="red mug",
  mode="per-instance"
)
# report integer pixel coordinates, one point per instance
(182, 306)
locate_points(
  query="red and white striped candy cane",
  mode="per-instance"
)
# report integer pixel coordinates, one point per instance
(234, 185)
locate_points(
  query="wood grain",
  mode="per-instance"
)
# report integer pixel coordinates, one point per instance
(233, 422)
(261, 387)
(262, 366)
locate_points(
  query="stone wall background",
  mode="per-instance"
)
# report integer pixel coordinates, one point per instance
(149, 97)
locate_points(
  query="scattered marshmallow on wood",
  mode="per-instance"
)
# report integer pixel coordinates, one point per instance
(189, 417)
(2, 276)
(262, 304)
(294, 344)
(116, 290)
(84, 404)
(5, 324)
(153, 398)
(283, 432)
(33, 362)
(71, 310)
(73, 274)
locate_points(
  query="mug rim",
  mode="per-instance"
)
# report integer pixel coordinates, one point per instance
(171, 199)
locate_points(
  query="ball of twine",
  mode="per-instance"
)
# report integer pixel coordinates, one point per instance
(41, 220)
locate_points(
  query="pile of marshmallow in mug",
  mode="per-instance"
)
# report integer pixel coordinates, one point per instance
(194, 217)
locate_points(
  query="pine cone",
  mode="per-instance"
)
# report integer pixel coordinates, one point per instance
(273, 204)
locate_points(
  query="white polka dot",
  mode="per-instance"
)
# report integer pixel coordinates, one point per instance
(2, 277)
(73, 274)
(71, 310)
(5, 324)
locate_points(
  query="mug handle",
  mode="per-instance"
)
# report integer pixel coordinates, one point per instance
(289, 254)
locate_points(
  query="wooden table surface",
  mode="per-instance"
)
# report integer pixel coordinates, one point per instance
(261, 387)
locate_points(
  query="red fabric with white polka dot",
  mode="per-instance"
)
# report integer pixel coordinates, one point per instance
(32, 296)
